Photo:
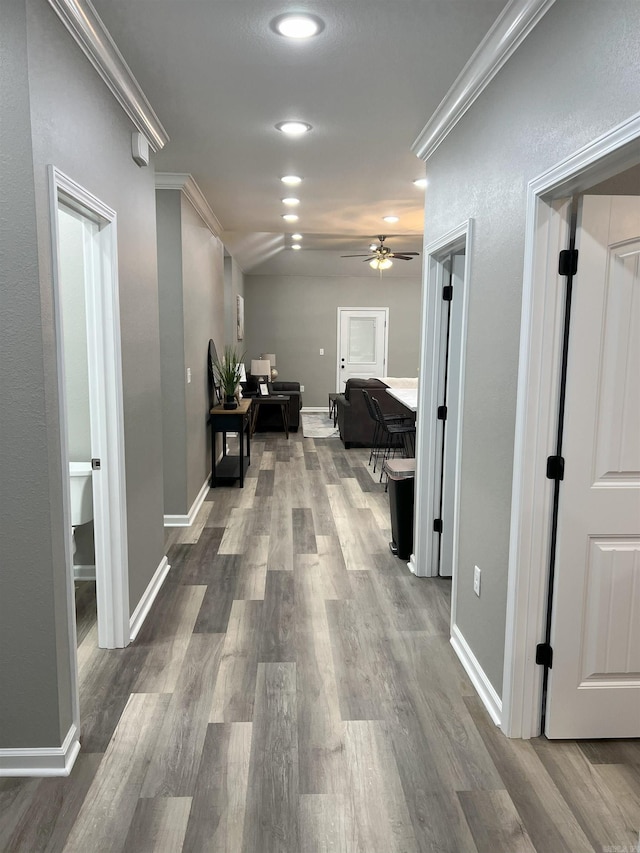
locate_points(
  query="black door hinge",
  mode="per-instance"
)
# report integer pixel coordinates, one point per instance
(447, 292)
(442, 413)
(96, 464)
(437, 525)
(568, 262)
(544, 655)
(555, 468)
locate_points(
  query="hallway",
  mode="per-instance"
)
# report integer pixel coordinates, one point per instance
(294, 690)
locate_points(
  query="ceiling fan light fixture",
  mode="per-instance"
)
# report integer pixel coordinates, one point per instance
(391, 219)
(293, 128)
(290, 217)
(297, 26)
(381, 264)
(291, 180)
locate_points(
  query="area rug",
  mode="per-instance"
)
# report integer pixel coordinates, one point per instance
(318, 425)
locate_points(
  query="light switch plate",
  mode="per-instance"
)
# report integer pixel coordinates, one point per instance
(476, 580)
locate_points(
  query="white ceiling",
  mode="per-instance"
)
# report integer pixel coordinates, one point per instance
(219, 79)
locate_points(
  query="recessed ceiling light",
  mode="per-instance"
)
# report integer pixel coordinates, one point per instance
(291, 180)
(421, 182)
(373, 247)
(290, 217)
(296, 247)
(293, 128)
(391, 219)
(297, 26)
(296, 236)
(291, 201)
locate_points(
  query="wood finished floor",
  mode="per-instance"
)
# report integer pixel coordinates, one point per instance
(294, 690)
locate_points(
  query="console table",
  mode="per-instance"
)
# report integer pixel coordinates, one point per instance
(281, 400)
(224, 421)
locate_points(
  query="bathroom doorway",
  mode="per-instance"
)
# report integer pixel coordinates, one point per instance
(91, 411)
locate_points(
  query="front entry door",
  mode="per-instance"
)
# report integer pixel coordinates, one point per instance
(594, 681)
(362, 343)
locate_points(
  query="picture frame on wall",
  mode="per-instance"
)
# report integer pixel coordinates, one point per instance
(263, 389)
(240, 317)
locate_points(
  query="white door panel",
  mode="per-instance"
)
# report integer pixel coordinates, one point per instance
(594, 684)
(362, 343)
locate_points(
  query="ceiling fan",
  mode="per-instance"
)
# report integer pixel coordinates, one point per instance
(379, 257)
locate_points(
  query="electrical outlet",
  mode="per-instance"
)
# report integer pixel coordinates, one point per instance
(302, 388)
(476, 580)
(321, 350)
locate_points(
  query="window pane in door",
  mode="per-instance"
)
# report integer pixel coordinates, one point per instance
(362, 340)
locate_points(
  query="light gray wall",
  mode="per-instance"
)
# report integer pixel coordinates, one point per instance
(35, 709)
(576, 76)
(191, 287)
(57, 110)
(172, 366)
(295, 316)
(203, 293)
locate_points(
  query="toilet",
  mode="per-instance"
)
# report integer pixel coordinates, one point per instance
(81, 493)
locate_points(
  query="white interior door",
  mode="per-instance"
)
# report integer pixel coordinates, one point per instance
(452, 331)
(362, 343)
(594, 683)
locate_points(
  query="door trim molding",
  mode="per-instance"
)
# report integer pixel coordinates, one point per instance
(536, 412)
(107, 432)
(426, 435)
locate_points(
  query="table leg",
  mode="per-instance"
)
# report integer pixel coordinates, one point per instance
(213, 457)
(241, 442)
(284, 410)
(248, 442)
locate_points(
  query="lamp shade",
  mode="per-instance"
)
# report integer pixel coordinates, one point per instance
(270, 357)
(260, 367)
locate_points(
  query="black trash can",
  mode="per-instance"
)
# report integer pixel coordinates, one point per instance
(402, 478)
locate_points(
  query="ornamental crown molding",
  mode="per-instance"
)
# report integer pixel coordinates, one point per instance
(510, 29)
(91, 35)
(187, 185)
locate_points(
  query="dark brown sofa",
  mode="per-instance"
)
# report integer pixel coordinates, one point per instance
(354, 422)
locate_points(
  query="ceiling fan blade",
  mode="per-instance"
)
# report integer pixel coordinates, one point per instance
(353, 256)
(402, 257)
(370, 258)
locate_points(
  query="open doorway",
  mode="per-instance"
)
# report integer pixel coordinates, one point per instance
(91, 412)
(606, 556)
(439, 433)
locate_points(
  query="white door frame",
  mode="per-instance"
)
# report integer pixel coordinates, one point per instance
(536, 412)
(107, 428)
(338, 339)
(421, 562)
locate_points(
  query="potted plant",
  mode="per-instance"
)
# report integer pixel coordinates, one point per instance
(228, 370)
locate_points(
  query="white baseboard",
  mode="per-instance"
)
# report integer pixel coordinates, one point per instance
(490, 699)
(42, 761)
(84, 573)
(187, 520)
(324, 409)
(144, 605)
(412, 566)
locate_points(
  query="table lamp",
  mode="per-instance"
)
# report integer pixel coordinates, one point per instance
(271, 358)
(261, 369)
